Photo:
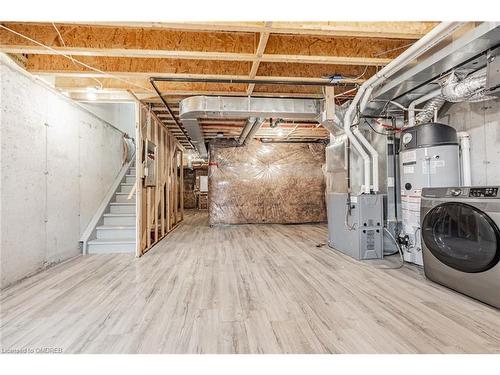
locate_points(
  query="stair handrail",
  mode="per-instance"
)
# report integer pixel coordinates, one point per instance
(91, 227)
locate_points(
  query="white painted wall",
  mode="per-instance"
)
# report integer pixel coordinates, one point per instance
(57, 162)
(482, 122)
(121, 115)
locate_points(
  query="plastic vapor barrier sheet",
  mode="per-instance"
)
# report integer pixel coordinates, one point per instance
(266, 183)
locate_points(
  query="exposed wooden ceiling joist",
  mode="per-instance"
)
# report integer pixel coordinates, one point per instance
(136, 43)
(402, 30)
(261, 47)
(126, 55)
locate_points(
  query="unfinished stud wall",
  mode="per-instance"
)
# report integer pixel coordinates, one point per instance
(482, 122)
(57, 163)
(161, 201)
(266, 183)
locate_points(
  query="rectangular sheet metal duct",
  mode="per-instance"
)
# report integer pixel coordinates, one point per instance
(195, 107)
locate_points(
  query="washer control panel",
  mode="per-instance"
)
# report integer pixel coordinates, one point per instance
(483, 192)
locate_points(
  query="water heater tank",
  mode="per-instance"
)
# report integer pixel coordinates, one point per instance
(429, 157)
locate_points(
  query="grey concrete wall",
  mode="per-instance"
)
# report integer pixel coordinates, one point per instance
(482, 122)
(57, 162)
(121, 115)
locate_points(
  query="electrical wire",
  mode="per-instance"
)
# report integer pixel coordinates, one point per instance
(332, 78)
(346, 220)
(392, 50)
(71, 56)
(75, 60)
(376, 131)
(362, 74)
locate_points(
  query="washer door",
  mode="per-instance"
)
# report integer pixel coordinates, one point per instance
(462, 237)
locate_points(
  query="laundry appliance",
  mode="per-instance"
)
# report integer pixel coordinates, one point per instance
(461, 239)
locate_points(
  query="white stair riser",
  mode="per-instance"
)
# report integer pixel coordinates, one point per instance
(125, 209)
(119, 220)
(131, 170)
(111, 248)
(115, 234)
(126, 188)
(129, 179)
(123, 198)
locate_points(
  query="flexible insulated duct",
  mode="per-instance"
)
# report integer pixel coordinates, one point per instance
(427, 113)
(470, 89)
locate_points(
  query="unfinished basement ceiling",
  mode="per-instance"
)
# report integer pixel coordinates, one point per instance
(134, 52)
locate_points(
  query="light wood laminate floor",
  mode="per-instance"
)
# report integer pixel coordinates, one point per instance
(241, 289)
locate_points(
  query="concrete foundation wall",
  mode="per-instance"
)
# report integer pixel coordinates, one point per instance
(57, 162)
(121, 115)
(482, 122)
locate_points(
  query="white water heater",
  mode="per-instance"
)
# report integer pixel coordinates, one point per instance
(429, 157)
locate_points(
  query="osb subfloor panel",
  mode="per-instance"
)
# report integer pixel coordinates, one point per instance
(241, 289)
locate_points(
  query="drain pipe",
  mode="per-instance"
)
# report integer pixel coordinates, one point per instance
(464, 139)
(364, 92)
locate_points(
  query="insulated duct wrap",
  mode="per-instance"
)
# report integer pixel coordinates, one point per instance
(427, 114)
(454, 90)
(266, 183)
(470, 89)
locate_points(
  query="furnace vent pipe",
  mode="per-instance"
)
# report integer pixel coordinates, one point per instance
(364, 92)
(374, 155)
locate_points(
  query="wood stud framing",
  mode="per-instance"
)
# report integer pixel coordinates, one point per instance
(261, 47)
(160, 207)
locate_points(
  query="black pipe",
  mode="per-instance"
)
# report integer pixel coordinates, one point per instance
(268, 140)
(251, 81)
(179, 125)
(392, 118)
(227, 80)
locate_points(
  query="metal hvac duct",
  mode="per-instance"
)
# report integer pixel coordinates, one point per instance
(244, 107)
(470, 89)
(254, 109)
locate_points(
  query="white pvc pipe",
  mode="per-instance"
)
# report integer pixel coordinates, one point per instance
(366, 159)
(374, 155)
(464, 139)
(413, 104)
(363, 95)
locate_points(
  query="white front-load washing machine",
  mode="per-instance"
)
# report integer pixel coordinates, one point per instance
(461, 240)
